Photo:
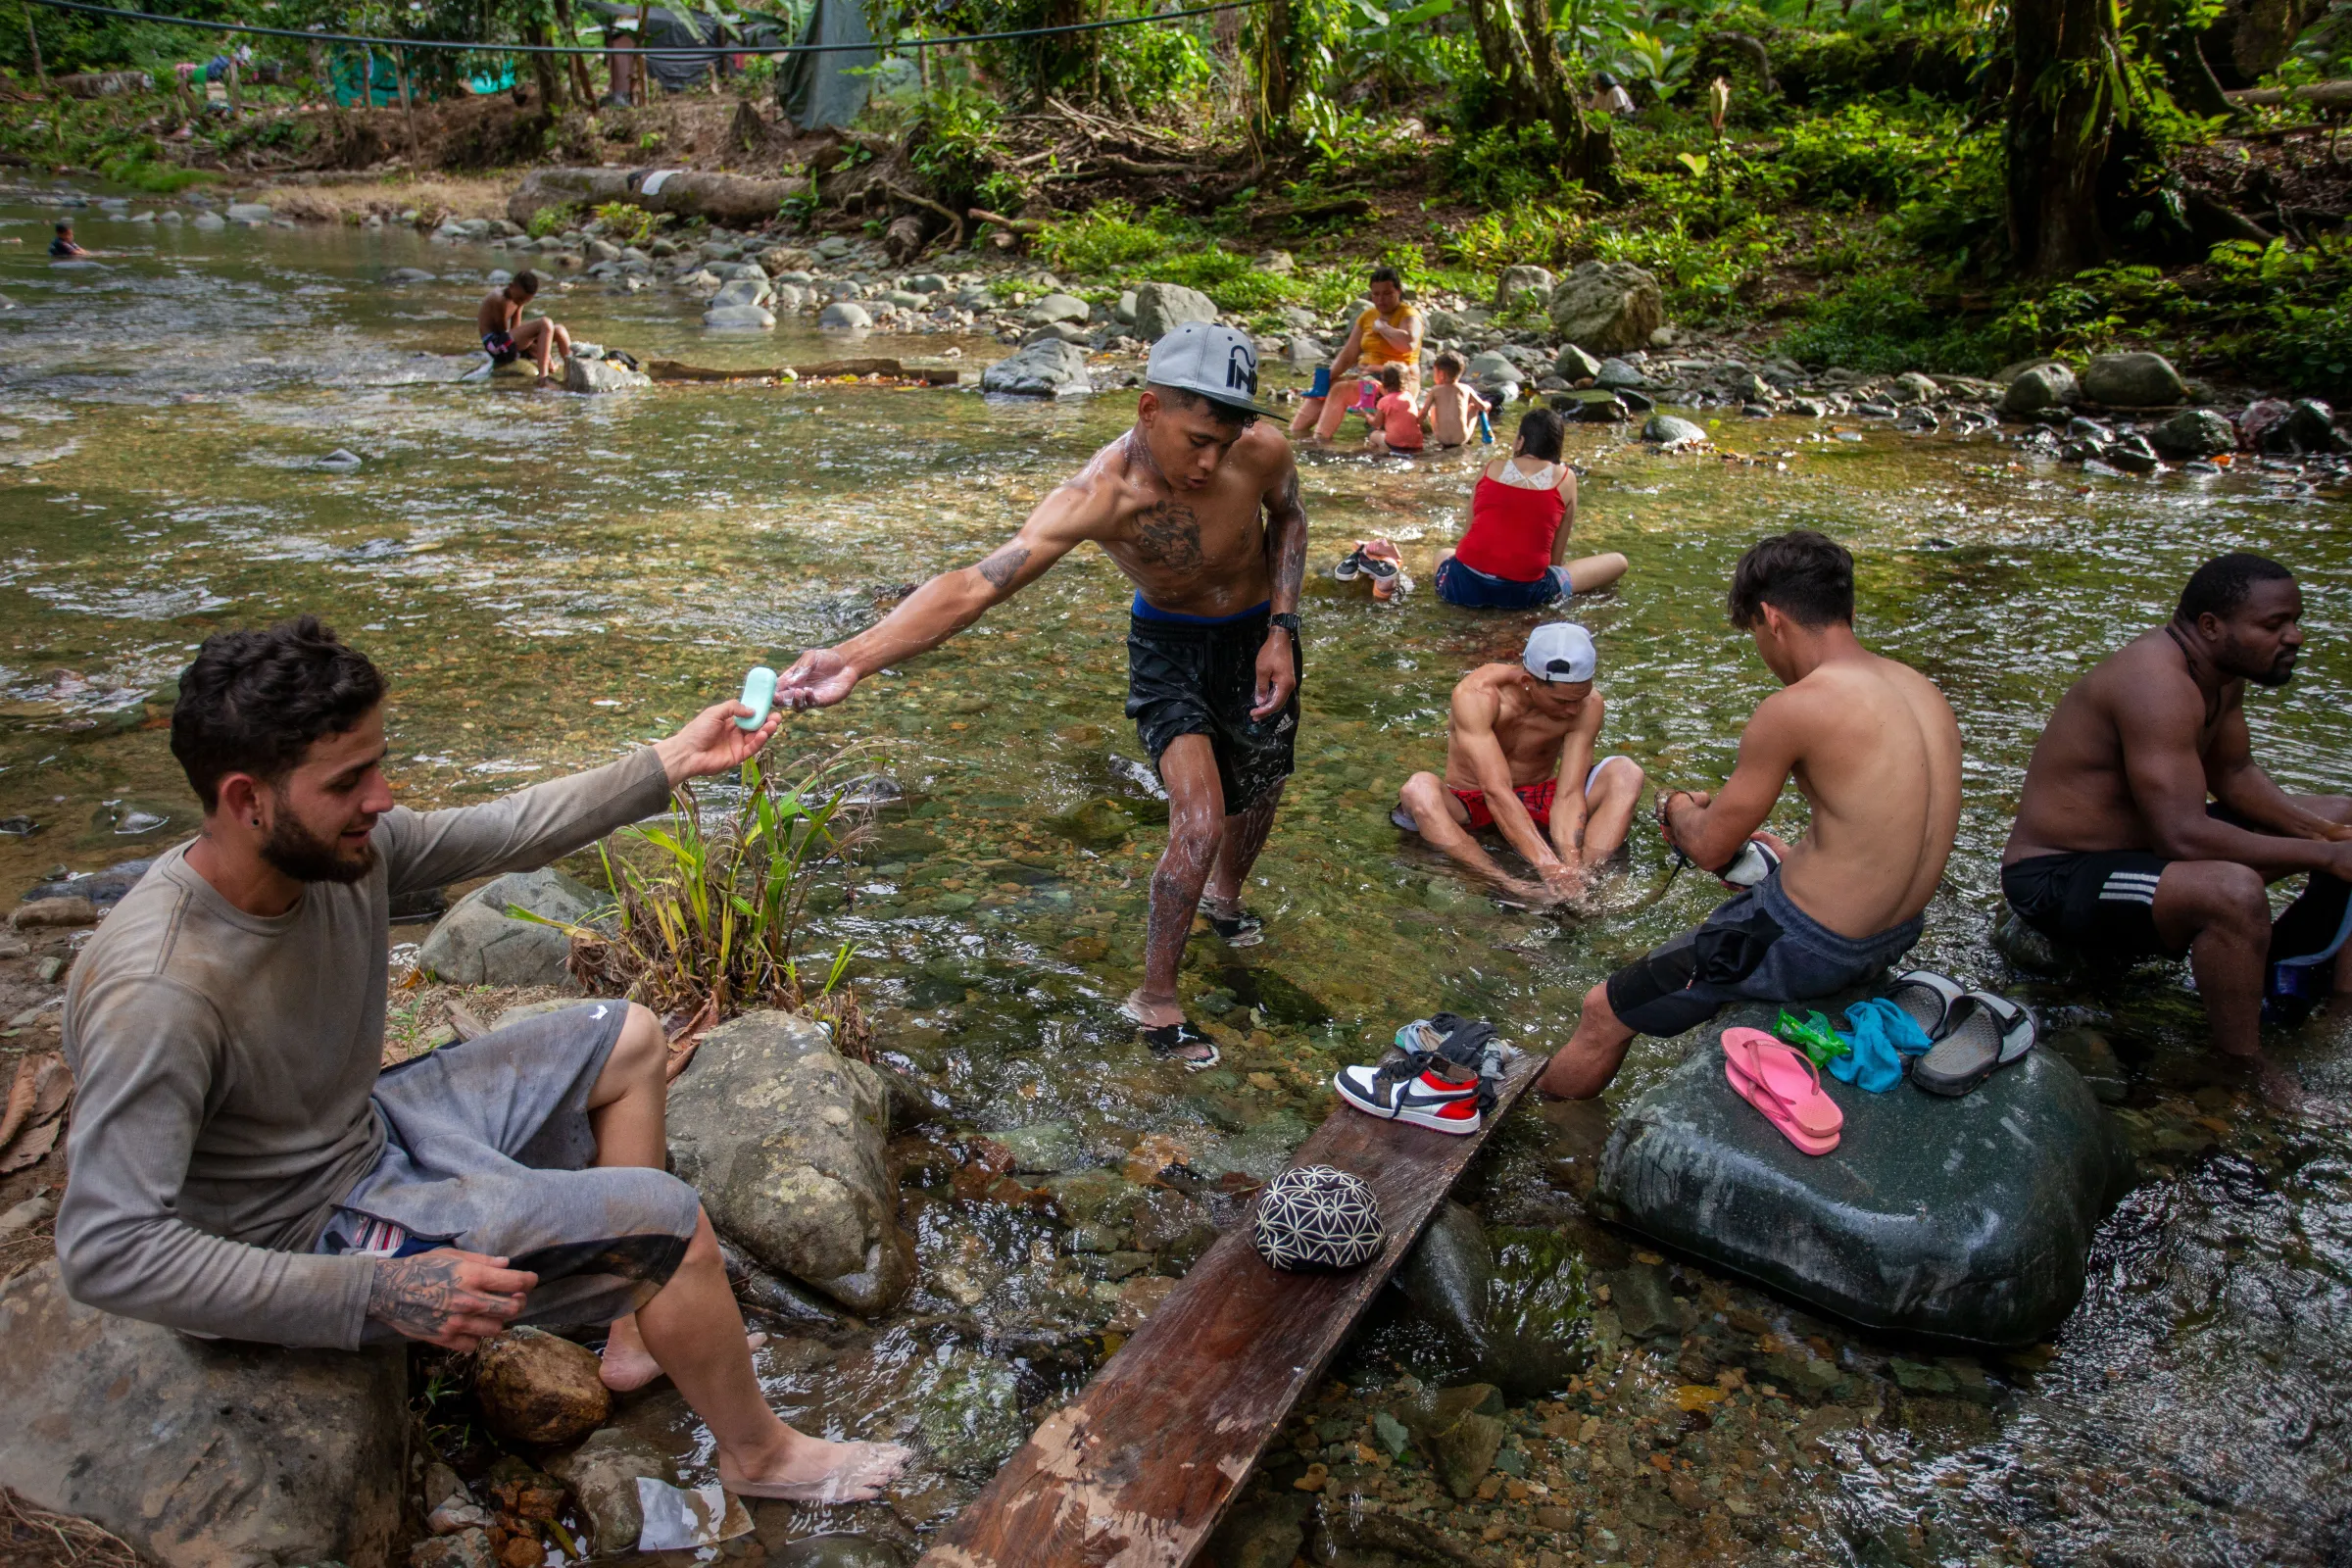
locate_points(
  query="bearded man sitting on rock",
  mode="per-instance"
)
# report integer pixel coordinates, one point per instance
(242, 1169)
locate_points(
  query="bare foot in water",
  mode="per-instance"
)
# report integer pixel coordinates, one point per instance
(1150, 1012)
(810, 1470)
(628, 1367)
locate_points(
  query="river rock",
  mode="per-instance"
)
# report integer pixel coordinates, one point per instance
(1307, 351)
(1047, 369)
(783, 1138)
(478, 944)
(1607, 307)
(248, 213)
(742, 291)
(1094, 823)
(538, 1388)
(596, 376)
(2311, 428)
(2195, 433)
(1908, 388)
(1517, 282)
(1615, 375)
(1575, 364)
(2132, 381)
(1458, 1431)
(1671, 432)
(2047, 386)
(1446, 1273)
(845, 315)
(200, 1453)
(602, 1474)
(740, 318)
(1160, 308)
(1055, 308)
(399, 276)
(1969, 1219)
(54, 912)
(211, 220)
(840, 1551)
(466, 1549)
(789, 299)
(1263, 1531)
(1056, 332)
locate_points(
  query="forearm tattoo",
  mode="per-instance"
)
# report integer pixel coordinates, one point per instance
(1005, 565)
(1285, 541)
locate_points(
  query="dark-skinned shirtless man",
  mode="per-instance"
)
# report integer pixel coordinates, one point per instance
(1874, 747)
(1519, 748)
(1199, 506)
(2115, 849)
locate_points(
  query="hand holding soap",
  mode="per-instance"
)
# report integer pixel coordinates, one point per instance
(758, 695)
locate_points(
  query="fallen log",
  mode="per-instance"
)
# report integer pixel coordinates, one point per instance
(1139, 1467)
(890, 370)
(2329, 94)
(686, 192)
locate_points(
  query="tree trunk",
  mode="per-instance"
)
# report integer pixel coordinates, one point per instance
(583, 91)
(1504, 56)
(1277, 84)
(32, 36)
(543, 72)
(2064, 89)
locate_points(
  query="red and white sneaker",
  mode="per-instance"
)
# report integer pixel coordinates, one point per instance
(1404, 1089)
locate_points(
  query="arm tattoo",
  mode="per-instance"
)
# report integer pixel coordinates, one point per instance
(1286, 542)
(417, 1296)
(1005, 565)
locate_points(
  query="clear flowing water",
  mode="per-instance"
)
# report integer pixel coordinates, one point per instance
(550, 579)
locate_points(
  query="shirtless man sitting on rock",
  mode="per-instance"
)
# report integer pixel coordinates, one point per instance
(1873, 747)
(242, 1168)
(2145, 828)
(1199, 506)
(1519, 759)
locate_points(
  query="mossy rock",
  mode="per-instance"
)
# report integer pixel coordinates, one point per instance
(1094, 823)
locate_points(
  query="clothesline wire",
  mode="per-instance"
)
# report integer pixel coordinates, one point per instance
(117, 14)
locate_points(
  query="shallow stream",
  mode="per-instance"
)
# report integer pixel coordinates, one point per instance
(549, 579)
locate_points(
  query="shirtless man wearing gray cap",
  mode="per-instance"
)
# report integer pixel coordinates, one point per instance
(1515, 736)
(1199, 506)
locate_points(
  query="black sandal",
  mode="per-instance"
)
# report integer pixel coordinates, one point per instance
(1240, 929)
(1174, 1041)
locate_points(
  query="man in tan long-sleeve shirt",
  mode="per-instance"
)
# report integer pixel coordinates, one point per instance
(241, 1169)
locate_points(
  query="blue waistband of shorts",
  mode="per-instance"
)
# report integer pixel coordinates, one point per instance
(1775, 901)
(1144, 609)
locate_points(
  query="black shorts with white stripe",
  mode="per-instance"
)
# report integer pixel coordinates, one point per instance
(2103, 903)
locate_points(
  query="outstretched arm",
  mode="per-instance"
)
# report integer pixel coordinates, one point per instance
(1286, 560)
(1710, 828)
(2168, 779)
(1471, 732)
(2240, 784)
(1082, 509)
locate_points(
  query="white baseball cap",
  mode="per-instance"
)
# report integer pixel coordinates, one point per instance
(1215, 362)
(1561, 651)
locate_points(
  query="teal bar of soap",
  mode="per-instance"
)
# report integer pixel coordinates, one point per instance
(758, 695)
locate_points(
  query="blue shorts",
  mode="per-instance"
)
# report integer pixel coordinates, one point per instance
(1472, 589)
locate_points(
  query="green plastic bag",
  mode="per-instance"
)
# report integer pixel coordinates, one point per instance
(1813, 1035)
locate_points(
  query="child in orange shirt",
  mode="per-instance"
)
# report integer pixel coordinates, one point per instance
(1396, 421)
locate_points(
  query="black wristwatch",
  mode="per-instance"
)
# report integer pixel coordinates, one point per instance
(1288, 621)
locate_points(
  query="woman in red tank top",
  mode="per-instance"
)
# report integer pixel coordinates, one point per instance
(1521, 512)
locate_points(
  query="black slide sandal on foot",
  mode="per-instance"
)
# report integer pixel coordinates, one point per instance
(1240, 929)
(1181, 1041)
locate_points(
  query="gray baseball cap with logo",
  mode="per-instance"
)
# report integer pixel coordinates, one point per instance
(1216, 361)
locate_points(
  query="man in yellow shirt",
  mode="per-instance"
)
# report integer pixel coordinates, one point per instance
(1388, 333)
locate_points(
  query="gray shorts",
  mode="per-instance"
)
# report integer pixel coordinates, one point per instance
(487, 1148)
(1756, 945)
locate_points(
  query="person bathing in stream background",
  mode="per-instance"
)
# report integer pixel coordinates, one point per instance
(507, 337)
(1199, 506)
(1522, 511)
(2146, 828)
(1388, 333)
(1874, 747)
(1519, 746)
(244, 1167)
(1395, 420)
(1450, 408)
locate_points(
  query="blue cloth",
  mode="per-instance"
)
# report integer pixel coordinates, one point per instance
(1468, 588)
(1882, 1035)
(1142, 610)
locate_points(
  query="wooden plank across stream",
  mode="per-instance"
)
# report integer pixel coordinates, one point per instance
(1139, 1468)
(889, 370)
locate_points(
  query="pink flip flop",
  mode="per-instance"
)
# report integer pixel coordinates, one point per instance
(1780, 1082)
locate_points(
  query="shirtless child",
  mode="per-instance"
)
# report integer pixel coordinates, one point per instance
(2117, 851)
(1519, 759)
(507, 337)
(1875, 751)
(1449, 406)
(1212, 650)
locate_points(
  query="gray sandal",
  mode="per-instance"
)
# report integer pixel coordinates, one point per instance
(1983, 1034)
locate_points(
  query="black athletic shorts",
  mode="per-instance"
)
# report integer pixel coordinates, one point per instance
(2102, 902)
(1188, 678)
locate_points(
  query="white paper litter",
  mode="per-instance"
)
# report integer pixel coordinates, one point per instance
(676, 1519)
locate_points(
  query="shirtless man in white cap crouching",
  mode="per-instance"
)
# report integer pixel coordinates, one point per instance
(1519, 759)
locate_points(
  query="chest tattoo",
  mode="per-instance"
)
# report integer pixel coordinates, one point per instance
(1170, 534)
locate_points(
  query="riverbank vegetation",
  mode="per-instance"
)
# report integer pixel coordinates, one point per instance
(1949, 186)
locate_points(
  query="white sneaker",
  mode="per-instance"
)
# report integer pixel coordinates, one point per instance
(1401, 1089)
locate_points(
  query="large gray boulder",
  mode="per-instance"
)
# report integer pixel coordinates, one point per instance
(1161, 307)
(845, 315)
(1575, 364)
(201, 1453)
(2047, 386)
(1055, 308)
(1607, 307)
(1669, 431)
(2132, 381)
(1519, 281)
(742, 291)
(601, 375)
(783, 1138)
(1969, 1219)
(1306, 352)
(480, 944)
(2195, 433)
(1045, 368)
